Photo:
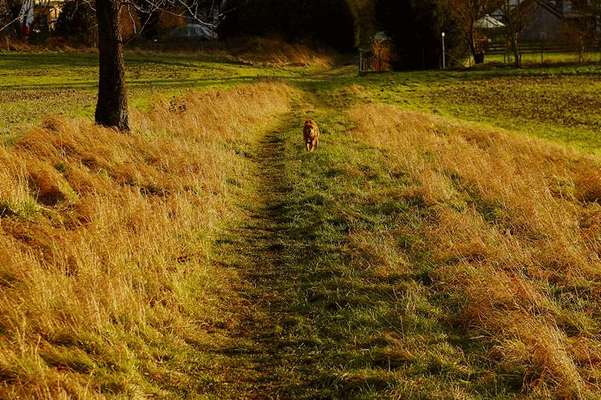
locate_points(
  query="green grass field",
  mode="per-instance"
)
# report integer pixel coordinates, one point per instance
(542, 101)
(36, 85)
(442, 243)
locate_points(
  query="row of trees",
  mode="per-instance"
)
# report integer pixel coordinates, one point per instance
(414, 26)
(329, 22)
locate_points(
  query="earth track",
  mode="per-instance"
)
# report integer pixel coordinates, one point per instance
(257, 358)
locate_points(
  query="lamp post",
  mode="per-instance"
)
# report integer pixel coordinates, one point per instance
(444, 52)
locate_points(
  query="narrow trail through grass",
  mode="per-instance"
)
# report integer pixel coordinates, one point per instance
(317, 320)
(253, 248)
(208, 255)
(260, 362)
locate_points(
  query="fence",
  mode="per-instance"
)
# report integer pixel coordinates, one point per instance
(366, 62)
(374, 62)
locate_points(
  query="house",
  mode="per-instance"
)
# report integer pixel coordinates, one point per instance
(548, 20)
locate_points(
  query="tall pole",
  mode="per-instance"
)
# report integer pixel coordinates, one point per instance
(444, 52)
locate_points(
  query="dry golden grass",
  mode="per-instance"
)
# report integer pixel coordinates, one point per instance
(257, 51)
(106, 279)
(513, 226)
(276, 52)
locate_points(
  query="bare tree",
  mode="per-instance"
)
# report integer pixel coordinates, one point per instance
(364, 14)
(467, 13)
(586, 27)
(517, 14)
(112, 105)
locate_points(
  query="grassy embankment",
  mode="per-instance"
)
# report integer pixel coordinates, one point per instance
(414, 256)
(560, 102)
(107, 284)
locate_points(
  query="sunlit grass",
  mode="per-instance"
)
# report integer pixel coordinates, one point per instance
(106, 284)
(508, 226)
(434, 247)
(34, 85)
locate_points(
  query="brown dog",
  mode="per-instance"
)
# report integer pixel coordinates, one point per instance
(311, 135)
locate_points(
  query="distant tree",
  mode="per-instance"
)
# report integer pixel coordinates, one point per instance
(590, 8)
(9, 17)
(77, 22)
(4, 13)
(467, 13)
(365, 20)
(585, 29)
(517, 14)
(329, 22)
(415, 28)
(5, 18)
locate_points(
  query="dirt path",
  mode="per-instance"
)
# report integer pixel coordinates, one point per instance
(334, 295)
(257, 358)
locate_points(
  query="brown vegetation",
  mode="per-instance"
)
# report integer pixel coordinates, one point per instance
(262, 51)
(513, 228)
(107, 283)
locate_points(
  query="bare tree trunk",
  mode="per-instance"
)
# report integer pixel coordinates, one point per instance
(515, 48)
(477, 52)
(111, 109)
(472, 45)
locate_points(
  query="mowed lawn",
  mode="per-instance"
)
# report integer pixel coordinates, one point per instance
(558, 102)
(34, 86)
(444, 242)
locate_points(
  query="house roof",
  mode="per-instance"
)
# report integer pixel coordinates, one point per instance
(488, 22)
(381, 36)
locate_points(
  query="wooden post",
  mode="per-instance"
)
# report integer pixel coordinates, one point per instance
(360, 62)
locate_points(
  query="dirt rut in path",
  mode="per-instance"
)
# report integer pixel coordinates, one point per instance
(255, 363)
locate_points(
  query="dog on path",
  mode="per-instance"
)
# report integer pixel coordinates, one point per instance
(311, 135)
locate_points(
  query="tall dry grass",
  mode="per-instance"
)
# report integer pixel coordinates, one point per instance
(513, 226)
(277, 52)
(258, 51)
(106, 280)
